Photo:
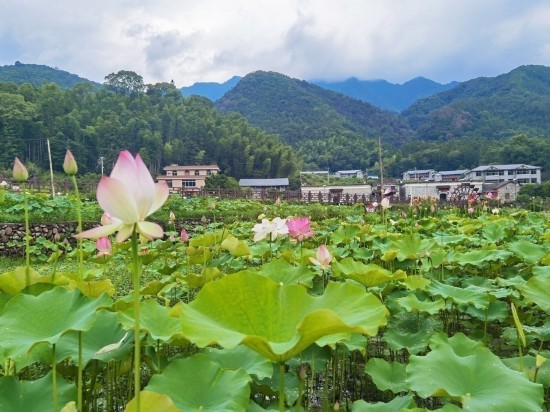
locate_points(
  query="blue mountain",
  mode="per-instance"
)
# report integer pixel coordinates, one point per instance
(210, 90)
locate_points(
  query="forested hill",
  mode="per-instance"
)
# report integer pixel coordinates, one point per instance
(498, 107)
(297, 110)
(386, 95)
(210, 90)
(37, 75)
(154, 120)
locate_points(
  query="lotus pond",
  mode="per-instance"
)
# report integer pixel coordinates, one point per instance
(404, 310)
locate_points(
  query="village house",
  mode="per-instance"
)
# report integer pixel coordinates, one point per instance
(263, 185)
(349, 173)
(426, 174)
(187, 178)
(502, 173)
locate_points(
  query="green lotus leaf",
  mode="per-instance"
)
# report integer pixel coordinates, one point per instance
(208, 239)
(411, 247)
(270, 386)
(541, 270)
(240, 357)
(368, 275)
(527, 364)
(497, 310)
(390, 255)
(198, 384)
(36, 395)
(198, 255)
(195, 280)
(152, 402)
(278, 321)
(281, 271)
(160, 322)
(396, 404)
(387, 376)
(466, 296)
(414, 282)
(411, 331)
(537, 290)
(15, 281)
(235, 246)
(527, 251)
(462, 369)
(344, 234)
(449, 240)
(105, 340)
(412, 304)
(495, 232)
(28, 320)
(478, 258)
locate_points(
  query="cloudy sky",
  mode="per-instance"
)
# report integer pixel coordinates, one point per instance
(212, 40)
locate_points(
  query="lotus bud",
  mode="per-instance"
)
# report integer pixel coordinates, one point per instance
(69, 165)
(103, 245)
(4, 184)
(539, 361)
(212, 206)
(171, 218)
(278, 201)
(20, 173)
(203, 219)
(184, 236)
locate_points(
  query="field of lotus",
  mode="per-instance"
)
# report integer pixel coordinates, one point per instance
(407, 309)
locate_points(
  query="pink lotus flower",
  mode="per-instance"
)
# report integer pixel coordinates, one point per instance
(273, 228)
(184, 236)
(323, 257)
(298, 228)
(129, 195)
(103, 245)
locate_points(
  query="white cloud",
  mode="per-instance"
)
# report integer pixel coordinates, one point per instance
(213, 40)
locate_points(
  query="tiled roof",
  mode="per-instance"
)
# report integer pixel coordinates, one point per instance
(193, 167)
(504, 167)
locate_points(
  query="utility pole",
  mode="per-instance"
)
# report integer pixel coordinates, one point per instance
(100, 161)
(381, 167)
(51, 167)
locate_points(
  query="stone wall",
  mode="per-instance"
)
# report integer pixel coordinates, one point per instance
(12, 235)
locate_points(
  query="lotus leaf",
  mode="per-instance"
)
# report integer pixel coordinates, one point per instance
(31, 396)
(208, 239)
(344, 234)
(106, 340)
(368, 275)
(160, 322)
(527, 251)
(152, 402)
(235, 246)
(28, 320)
(414, 282)
(240, 357)
(281, 271)
(528, 363)
(208, 274)
(15, 281)
(411, 331)
(387, 376)
(537, 290)
(396, 404)
(479, 258)
(278, 321)
(198, 384)
(466, 296)
(412, 304)
(463, 369)
(411, 247)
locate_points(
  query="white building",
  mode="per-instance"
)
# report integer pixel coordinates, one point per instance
(349, 173)
(503, 173)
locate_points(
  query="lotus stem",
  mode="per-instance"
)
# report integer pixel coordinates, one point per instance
(27, 239)
(54, 379)
(137, 326)
(281, 387)
(79, 383)
(79, 227)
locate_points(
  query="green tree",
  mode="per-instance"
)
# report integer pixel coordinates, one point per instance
(220, 181)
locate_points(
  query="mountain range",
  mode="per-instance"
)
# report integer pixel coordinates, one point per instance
(452, 126)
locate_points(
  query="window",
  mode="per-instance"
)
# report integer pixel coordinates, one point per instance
(187, 172)
(478, 173)
(189, 183)
(523, 172)
(533, 172)
(209, 172)
(169, 173)
(197, 173)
